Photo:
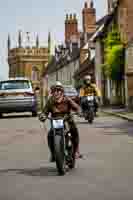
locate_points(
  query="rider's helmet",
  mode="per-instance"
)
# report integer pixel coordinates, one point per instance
(87, 79)
(58, 91)
(57, 86)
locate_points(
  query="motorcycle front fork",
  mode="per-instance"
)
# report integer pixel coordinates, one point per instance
(68, 148)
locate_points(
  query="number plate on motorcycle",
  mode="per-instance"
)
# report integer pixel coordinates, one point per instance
(90, 98)
(58, 123)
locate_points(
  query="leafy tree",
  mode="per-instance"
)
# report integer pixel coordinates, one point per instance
(114, 59)
(114, 63)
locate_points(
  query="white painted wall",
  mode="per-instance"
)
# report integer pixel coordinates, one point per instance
(98, 63)
(65, 74)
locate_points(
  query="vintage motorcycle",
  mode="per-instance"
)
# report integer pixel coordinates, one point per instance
(63, 146)
(89, 109)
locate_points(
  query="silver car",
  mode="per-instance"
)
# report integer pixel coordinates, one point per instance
(17, 95)
(71, 92)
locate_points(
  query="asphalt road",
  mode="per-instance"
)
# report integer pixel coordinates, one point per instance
(104, 173)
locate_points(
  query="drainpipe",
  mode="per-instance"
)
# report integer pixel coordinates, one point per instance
(125, 78)
(108, 89)
(126, 91)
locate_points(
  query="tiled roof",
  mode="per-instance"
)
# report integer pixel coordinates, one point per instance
(64, 59)
(103, 23)
(86, 66)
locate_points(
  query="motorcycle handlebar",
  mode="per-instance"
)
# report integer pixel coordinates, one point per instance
(65, 116)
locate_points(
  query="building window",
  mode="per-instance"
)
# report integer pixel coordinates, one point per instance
(67, 75)
(70, 77)
(35, 74)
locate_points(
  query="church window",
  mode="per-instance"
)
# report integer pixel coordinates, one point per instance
(35, 74)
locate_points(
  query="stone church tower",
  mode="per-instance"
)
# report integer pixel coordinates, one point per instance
(27, 61)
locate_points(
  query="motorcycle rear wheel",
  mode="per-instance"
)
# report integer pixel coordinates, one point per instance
(71, 165)
(91, 116)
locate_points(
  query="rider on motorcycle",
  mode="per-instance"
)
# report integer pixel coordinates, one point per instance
(59, 105)
(89, 89)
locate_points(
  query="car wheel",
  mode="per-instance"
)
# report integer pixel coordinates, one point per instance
(1, 115)
(34, 114)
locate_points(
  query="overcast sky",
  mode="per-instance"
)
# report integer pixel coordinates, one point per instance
(37, 16)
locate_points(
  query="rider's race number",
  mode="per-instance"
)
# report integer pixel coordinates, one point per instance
(90, 98)
(58, 123)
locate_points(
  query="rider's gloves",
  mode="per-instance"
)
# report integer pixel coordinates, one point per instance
(42, 117)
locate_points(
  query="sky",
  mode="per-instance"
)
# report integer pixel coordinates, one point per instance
(37, 17)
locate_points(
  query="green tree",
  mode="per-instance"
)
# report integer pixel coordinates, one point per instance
(114, 61)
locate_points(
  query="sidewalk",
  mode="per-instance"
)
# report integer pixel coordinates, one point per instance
(122, 113)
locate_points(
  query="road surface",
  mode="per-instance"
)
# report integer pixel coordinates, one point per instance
(105, 172)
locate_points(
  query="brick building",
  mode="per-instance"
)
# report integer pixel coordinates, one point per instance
(73, 55)
(120, 13)
(125, 24)
(87, 50)
(124, 17)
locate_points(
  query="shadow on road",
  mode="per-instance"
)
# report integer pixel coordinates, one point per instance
(42, 171)
(16, 116)
(81, 122)
(116, 133)
(115, 128)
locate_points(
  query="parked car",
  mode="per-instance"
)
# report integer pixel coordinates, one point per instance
(17, 95)
(71, 92)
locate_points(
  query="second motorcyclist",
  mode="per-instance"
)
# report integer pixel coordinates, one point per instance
(89, 89)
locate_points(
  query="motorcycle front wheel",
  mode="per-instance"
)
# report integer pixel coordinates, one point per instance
(71, 157)
(59, 154)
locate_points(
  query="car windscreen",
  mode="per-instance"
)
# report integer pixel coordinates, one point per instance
(71, 91)
(14, 84)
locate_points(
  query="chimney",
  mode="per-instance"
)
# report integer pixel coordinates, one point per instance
(71, 27)
(8, 43)
(89, 17)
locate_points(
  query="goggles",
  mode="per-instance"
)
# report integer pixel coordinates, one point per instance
(57, 89)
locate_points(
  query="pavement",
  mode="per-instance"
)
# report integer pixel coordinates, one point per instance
(122, 113)
(104, 173)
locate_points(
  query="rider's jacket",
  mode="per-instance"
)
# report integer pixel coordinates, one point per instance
(89, 90)
(59, 109)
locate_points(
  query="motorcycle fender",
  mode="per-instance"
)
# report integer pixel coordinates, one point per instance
(90, 104)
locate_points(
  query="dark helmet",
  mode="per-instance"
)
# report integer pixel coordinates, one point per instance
(87, 79)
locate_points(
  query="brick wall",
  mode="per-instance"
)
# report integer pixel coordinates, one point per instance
(125, 19)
